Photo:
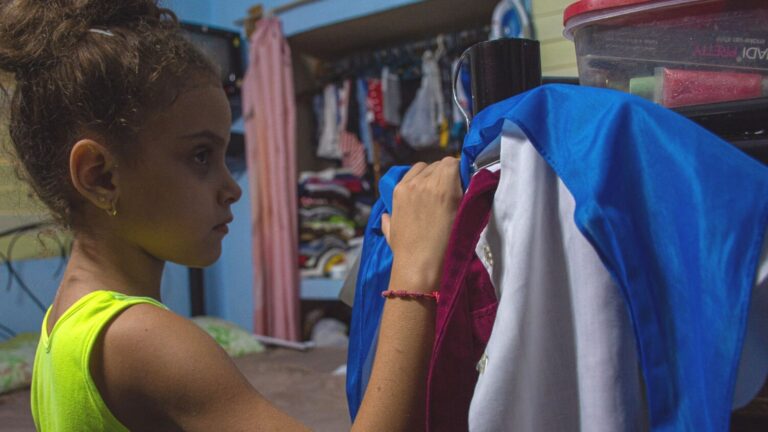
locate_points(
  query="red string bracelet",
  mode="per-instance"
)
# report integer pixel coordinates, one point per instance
(408, 294)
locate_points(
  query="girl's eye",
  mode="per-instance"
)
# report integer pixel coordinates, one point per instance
(202, 157)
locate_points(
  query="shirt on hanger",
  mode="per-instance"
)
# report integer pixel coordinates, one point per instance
(328, 146)
(391, 99)
(375, 102)
(352, 150)
(366, 136)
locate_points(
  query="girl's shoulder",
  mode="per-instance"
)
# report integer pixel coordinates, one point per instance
(149, 358)
(144, 335)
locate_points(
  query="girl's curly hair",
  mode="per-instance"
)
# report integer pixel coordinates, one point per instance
(87, 66)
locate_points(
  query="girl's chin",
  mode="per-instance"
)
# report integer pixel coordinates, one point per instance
(201, 261)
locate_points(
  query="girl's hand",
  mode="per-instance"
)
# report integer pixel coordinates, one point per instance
(424, 206)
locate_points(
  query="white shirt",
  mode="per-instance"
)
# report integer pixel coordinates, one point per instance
(562, 352)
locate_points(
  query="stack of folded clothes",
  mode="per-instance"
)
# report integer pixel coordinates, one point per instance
(333, 210)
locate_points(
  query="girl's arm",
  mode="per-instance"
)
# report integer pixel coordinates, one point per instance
(425, 204)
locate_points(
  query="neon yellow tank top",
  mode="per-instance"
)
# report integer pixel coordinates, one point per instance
(64, 396)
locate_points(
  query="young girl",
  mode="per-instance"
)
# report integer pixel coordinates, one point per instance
(121, 127)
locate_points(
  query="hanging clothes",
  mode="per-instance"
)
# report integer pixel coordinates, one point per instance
(375, 102)
(352, 150)
(366, 136)
(465, 312)
(425, 118)
(677, 217)
(270, 124)
(641, 255)
(328, 144)
(391, 99)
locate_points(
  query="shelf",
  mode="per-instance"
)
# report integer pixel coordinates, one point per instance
(321, 288)
(406, 23)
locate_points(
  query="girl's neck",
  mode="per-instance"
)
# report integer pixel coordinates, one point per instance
(100, 261)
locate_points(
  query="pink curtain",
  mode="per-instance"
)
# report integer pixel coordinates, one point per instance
(270, 125)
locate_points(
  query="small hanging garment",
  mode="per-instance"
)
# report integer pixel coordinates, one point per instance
(423, 119)
(329, 127)
(390, 86)
(352, 150)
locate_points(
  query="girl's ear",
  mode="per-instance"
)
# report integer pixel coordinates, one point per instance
(92, 168)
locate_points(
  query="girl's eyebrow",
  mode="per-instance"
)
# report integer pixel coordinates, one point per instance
(206, 134)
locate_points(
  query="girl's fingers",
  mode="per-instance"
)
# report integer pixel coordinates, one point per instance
(429, 170)
(385, 224)
(414, 171)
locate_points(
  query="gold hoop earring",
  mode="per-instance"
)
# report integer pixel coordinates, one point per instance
(112, 210)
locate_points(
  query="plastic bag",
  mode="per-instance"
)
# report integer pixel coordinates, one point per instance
(421, 124)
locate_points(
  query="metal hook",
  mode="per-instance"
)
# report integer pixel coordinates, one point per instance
(453, 85)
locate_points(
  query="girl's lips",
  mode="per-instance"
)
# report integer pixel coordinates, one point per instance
(222, 227)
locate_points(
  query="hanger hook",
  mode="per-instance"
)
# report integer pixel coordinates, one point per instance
(440, 46)
(453, 85)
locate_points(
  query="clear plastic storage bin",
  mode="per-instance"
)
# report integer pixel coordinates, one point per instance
(674, 52)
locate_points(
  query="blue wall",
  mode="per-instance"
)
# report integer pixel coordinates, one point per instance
(326, 12)
(20, 313)
(229, 282)
(17, 311)
(224, 13)
(197, 11)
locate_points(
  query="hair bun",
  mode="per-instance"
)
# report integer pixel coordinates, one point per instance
(34, 34)
(123, 13)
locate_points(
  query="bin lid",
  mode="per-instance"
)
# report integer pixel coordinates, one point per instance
(584, 9)
(583, 6)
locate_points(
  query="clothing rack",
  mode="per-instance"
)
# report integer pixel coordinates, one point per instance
(257, 12)
(288, 6)
(405, 57)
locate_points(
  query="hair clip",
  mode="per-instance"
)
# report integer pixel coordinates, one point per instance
(103, 32)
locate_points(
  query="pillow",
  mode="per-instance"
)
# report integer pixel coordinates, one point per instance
(235, 340)
(17, 356)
